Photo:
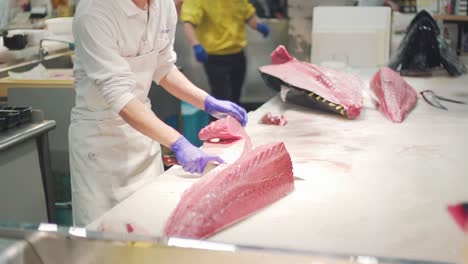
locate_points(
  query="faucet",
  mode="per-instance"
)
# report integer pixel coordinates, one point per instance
(43, 52)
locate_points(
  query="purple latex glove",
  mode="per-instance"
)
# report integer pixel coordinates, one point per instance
(190, 157)
(221, 109)
(262, 28)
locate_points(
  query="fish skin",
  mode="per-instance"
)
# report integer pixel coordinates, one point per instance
(336, 87)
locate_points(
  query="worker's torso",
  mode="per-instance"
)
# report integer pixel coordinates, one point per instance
(222, 30)
(136, 38)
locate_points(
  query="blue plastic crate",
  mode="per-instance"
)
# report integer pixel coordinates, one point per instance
(193, 120)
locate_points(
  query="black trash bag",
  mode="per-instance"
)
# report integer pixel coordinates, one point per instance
(423, 50)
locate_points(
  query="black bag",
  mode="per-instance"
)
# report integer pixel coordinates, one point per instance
(423, 50)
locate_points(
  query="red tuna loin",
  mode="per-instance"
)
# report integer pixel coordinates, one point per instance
(396, 97)
(224, 129)
(234, 141)
(224, 197)
(337, 87)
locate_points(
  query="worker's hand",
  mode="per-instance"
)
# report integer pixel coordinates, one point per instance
(222, 109)
(262, 28)
(191, 158)
(200, 53)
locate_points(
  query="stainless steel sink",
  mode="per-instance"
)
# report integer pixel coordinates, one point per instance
(31, 247)
(61, 60)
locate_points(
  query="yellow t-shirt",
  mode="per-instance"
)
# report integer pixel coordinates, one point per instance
(220, 24)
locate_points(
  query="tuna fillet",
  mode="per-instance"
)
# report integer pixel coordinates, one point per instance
(231, 139)
(341, 92)
(224, 129)
(223, 197)
(396, 97)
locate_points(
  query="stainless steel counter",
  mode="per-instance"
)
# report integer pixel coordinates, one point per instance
(12, 137)
(26, 189)
(75, 246)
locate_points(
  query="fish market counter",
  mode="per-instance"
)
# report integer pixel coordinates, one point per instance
(369, 186)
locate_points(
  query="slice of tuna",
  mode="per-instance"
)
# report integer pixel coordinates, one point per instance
(224, 197)
(334, 89)
(231, 139)
(396, 98)
(223, 129)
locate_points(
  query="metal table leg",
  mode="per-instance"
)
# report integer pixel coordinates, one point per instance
(47, 178)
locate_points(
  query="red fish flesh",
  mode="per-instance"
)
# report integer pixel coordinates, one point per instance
(231, 139)
(459, 212)
(223, 129)
(224, 197)
(270, 119)
(396, 97)
(340, 89)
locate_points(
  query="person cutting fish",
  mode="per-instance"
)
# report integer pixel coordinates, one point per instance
(121, 48)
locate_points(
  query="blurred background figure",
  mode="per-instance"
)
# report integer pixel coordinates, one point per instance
(270, 8)
(216, 31)
(393, 4)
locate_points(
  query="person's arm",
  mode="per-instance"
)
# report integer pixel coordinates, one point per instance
(178, 4)
(252, 20)
(178, 85)
(191, 158)
(192, 14)
(255, 24)
(97, 50)
(189, 30)
(142, 118)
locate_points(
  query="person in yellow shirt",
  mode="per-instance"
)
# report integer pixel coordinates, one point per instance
(216, 30)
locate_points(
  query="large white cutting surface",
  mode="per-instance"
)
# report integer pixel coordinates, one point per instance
(370, 186)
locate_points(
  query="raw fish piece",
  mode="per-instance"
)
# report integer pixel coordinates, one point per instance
(396, 97)
(232, 140)
(223, 129)
(460, 213)
(329, 90)
(224, 197)
(269, 119)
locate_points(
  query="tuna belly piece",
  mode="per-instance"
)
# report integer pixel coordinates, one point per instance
(231, 139)
(335, 89)
(224, 197)
(223, 129)
(396, 97)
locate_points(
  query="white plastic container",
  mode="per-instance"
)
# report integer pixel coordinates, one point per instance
(60, 25)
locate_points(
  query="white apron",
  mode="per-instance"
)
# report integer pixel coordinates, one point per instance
(110, 160)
